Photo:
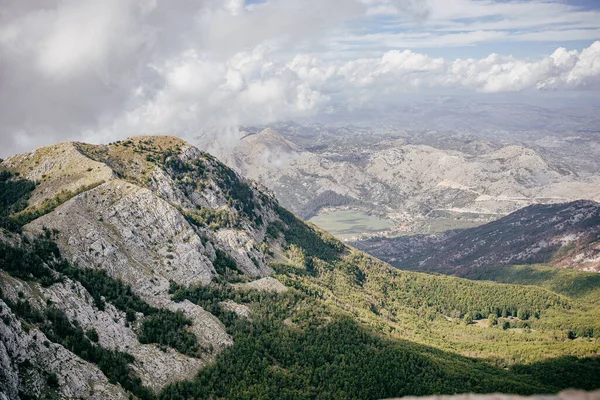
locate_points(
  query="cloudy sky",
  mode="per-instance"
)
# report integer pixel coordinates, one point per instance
(100, 70)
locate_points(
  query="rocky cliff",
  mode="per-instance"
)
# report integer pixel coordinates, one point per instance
(149, 212)
(146, 268)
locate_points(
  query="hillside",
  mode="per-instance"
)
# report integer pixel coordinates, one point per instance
(562, 235)
(146, 267)
(421, 182)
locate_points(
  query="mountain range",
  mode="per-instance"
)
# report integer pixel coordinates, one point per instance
(146, 268)
(422, 183)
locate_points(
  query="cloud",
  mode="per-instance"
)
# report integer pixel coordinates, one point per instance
(402, 71)
(102, 70)
(258, 87)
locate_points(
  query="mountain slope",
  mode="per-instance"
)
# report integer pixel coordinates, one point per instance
(141, 230)
(564, 235)
(168, 263)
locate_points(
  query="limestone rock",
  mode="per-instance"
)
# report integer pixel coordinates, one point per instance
(267, 284)
(240, 309)
(27, 359)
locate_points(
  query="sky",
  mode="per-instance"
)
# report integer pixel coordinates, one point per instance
(102, 70)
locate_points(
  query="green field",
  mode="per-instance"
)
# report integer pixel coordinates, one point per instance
(349, 223)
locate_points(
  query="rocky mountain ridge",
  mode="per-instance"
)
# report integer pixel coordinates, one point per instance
(146, 268)
(146, 222)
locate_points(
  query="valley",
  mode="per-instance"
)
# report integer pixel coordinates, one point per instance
(563, 235)
(347, 224)
(300, 200)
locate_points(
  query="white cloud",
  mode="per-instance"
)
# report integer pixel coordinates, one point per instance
(101, 70)
(255, 88)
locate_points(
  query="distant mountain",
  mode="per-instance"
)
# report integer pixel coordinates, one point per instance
(148, 269)
(562, 235)
(462, 182)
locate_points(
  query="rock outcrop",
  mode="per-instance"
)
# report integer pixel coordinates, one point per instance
(34, 367)
(150, 212)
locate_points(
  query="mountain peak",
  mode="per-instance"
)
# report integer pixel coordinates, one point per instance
(269, 132)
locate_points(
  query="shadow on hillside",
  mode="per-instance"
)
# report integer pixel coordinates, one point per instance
(343, 359)
(566, 372)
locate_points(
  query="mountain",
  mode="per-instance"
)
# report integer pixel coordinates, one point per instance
(146, 268)
(421, 185)
(562, 235)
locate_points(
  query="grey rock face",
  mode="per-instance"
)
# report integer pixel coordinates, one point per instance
(240, 309)
(136, 229)
(132, 234)
(27, 359)
(267, 284)
(155, 367)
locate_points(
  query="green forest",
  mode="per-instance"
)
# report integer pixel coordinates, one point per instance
(351, 327)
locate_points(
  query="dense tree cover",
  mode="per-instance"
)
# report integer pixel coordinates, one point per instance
(224, 264)
(295, 347)
(29, 260)
(174, 164)
(575, 284)
(58, 329)
(14, 194)
(274, 229)
(170, 329)
(210, 296)
(582, 287)
(582, 324)
(581, 373)
(410, 305)
(395, 289)
(315, 243)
